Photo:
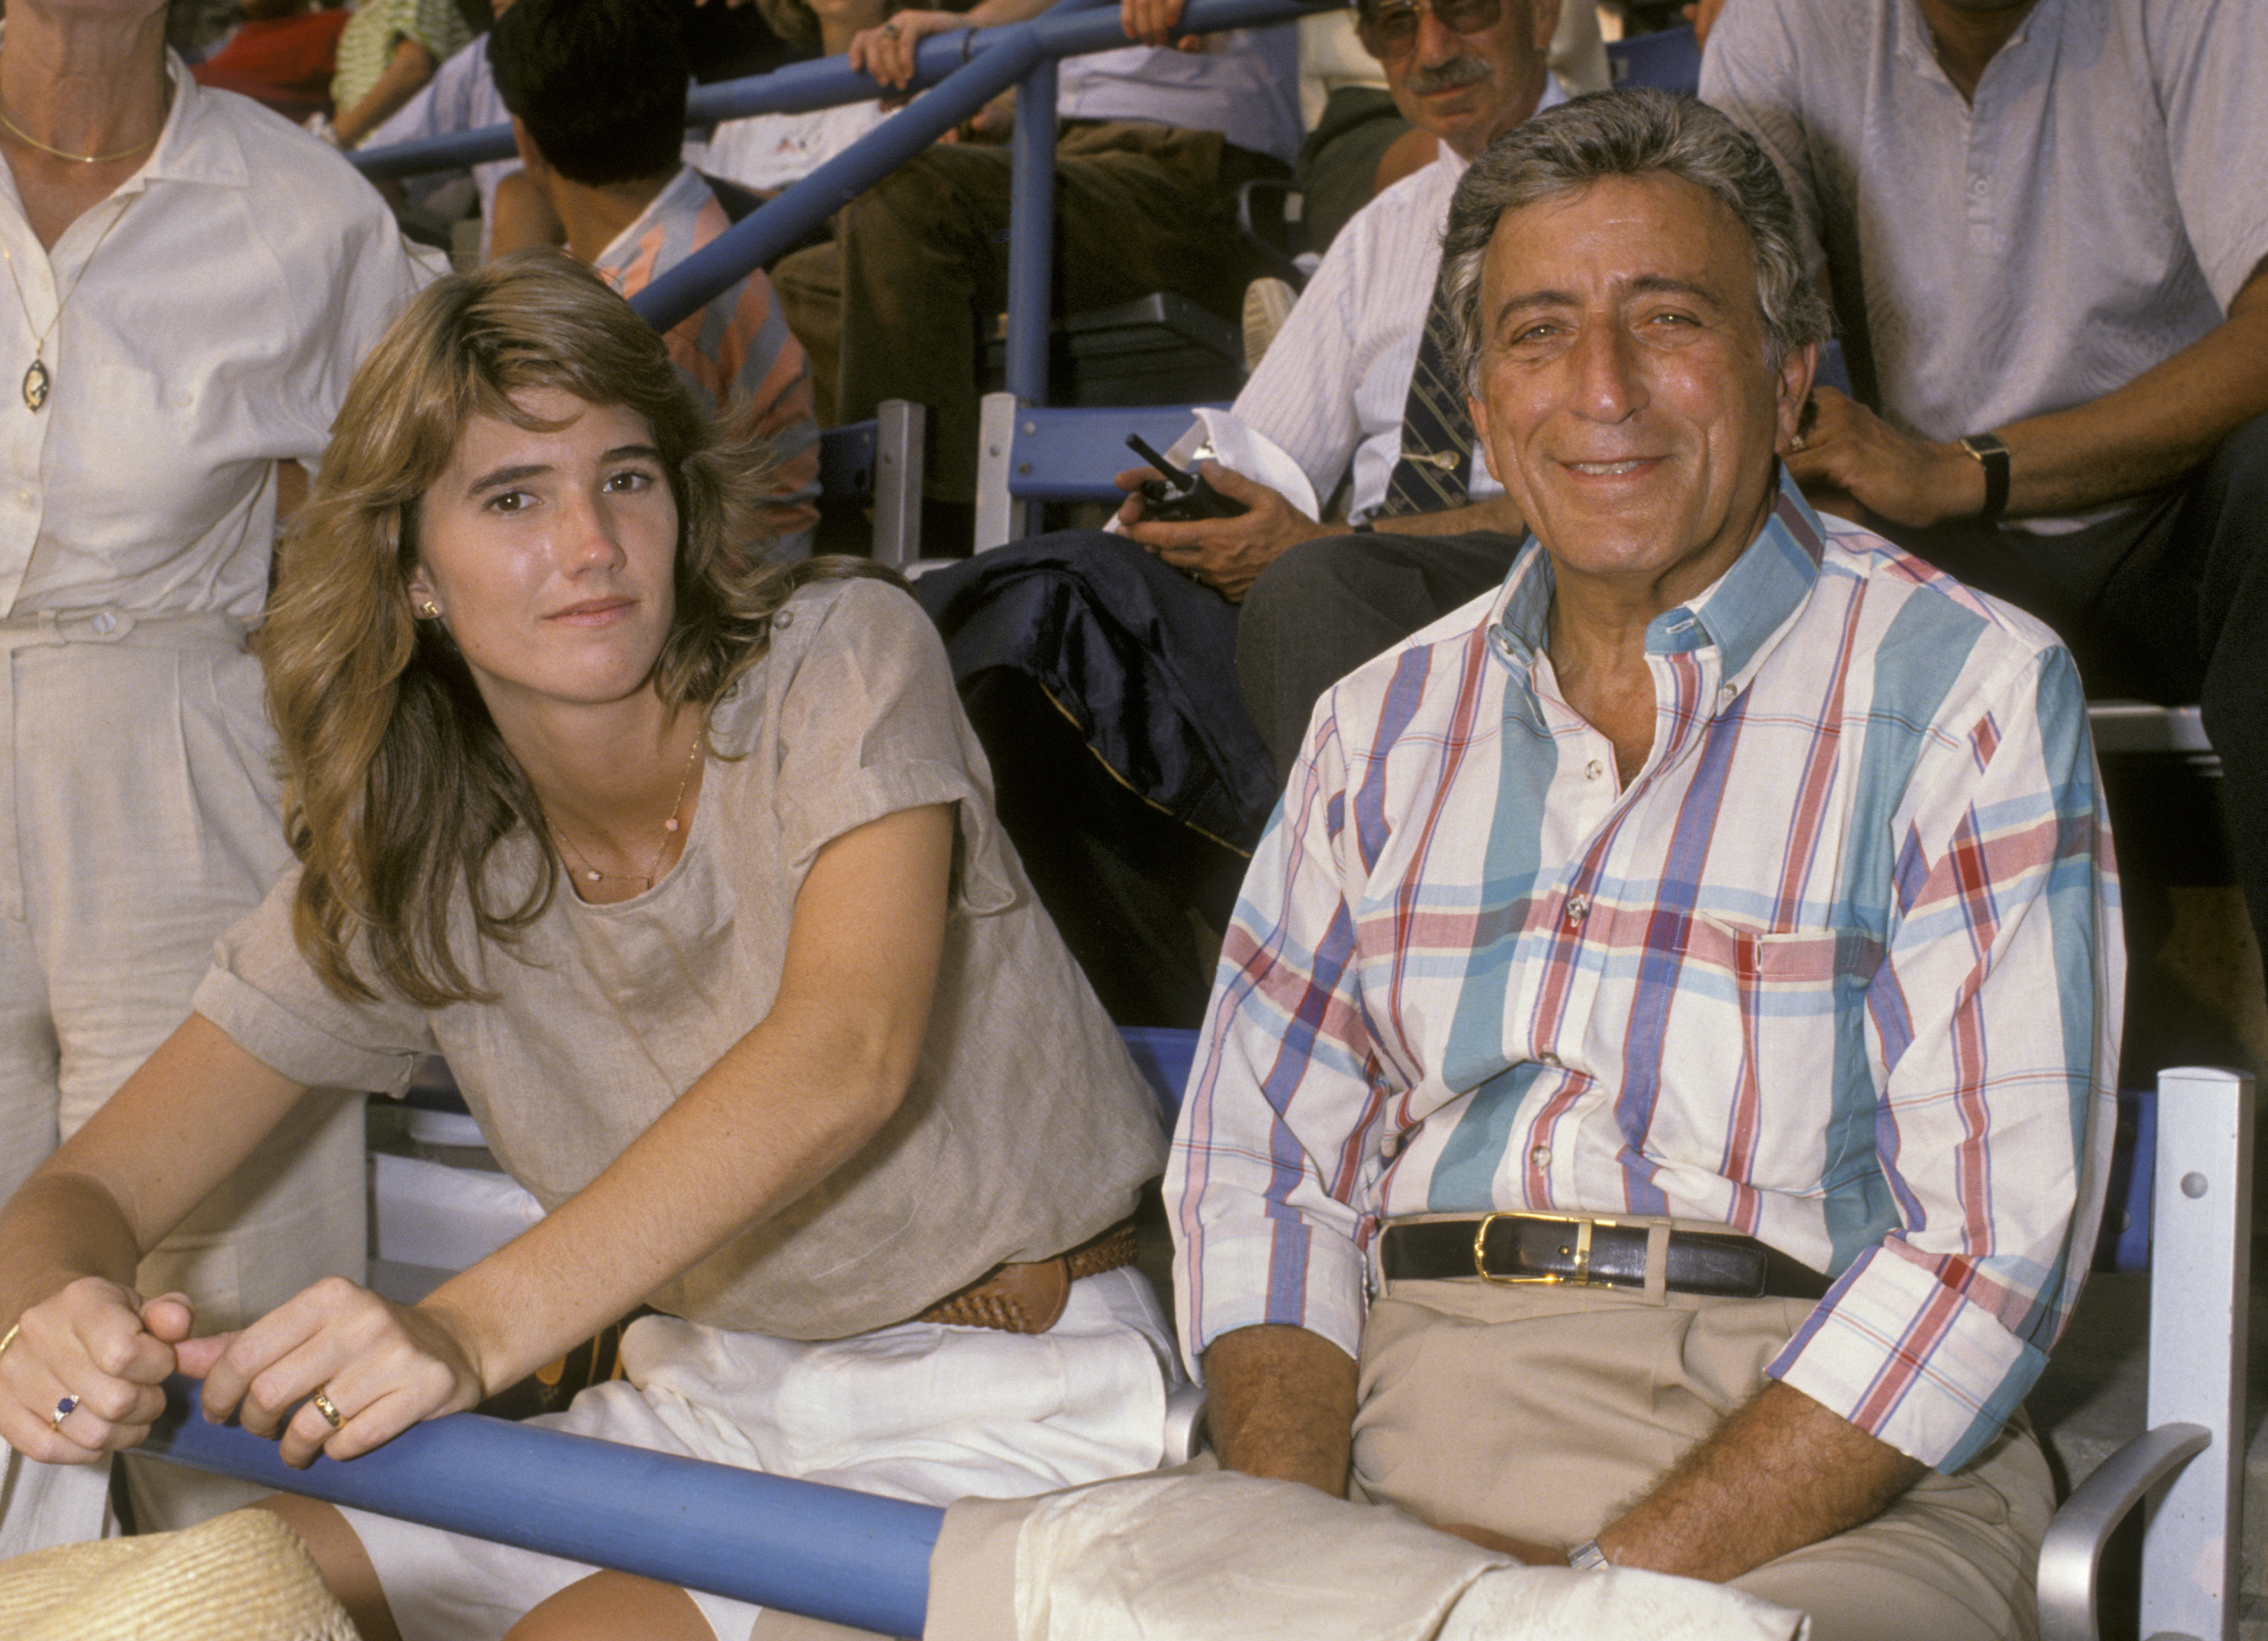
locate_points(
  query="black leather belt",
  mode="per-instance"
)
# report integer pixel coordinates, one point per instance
(1590, 1253)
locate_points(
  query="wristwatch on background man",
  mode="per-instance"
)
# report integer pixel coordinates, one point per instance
(1990, 453)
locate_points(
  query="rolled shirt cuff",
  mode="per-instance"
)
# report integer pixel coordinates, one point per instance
(1283, 1275)
(1911, 1361)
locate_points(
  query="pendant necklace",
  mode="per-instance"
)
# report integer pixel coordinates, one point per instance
(39, 382)
(590, 873)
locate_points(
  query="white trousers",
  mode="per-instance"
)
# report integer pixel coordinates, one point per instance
(138, 821)
(919, 1411)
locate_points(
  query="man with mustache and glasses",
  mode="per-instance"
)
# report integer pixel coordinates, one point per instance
(1654, 1105)
(1354, 391)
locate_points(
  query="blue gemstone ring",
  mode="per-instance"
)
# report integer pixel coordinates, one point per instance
(63, 1411)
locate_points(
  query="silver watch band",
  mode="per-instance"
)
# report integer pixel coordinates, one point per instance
(1588, 1557)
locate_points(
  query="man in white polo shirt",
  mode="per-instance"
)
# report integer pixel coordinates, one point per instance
(2046, 232)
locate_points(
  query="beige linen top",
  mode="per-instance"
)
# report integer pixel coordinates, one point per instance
(1027, 1129)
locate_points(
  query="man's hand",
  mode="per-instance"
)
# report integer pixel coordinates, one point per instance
(1227, 554)
(1906, 480)
(1151, 22)
(1780, 1473)
(887, 53)
(383, 1366)
(1279, 1402)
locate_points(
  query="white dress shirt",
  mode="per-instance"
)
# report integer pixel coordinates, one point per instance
(1333, 385)
(462, 96)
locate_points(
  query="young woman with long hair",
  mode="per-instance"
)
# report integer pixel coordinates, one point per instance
(687, 866)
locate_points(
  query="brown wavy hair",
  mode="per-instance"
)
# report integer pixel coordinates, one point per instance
(397, 787)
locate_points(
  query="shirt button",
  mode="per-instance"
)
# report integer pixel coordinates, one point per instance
(1725, 696)
(1551, 1060)
(1501, 641)
(1577, 910)
(785, 620)
(1593, 769)
(1540, 1157)
(23, 498)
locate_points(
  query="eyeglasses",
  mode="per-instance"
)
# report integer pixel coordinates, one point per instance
(1391, 30)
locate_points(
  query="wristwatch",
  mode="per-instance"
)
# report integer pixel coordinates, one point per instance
(1990, 453)
(1588, 1557)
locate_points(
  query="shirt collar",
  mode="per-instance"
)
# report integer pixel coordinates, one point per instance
(197, 144)
(1737, 615)
(685, 188)
(192, 145)
(1918, 49)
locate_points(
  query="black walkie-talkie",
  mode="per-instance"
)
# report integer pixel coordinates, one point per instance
(1180, 494)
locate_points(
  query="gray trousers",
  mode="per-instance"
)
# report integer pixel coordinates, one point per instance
(1328, 605)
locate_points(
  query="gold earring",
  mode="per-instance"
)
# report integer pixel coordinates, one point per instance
(430, 610)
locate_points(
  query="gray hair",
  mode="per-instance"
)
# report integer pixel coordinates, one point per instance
(1628, 134)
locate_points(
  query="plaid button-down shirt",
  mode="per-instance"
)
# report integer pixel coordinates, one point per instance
(1836, 970)
(738, 349)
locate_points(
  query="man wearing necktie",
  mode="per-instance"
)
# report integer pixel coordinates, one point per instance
(1356, 389)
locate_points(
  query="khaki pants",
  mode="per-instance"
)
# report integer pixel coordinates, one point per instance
(1543, 1412)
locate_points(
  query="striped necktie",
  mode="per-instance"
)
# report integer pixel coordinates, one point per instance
(1435, 472)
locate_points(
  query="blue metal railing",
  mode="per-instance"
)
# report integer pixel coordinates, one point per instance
(848, 1558)
(967, 68)
(829, 1552)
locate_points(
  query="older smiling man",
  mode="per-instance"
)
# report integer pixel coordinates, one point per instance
(1663, 1040)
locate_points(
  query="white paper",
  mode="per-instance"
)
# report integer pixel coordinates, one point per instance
(1223, 436)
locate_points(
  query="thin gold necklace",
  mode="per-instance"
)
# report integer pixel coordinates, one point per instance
(38, 381)
(592, 874)
(80, 159)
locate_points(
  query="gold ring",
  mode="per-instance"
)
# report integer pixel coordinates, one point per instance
(9, 1337)
(328, 1409)
(889, 31)
(63, 1411)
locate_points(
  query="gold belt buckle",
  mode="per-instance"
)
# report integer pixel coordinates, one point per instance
(1580, 1278)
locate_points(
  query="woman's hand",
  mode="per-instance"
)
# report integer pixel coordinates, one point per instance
(887, 53)
(381, 1366)
(103, 1347)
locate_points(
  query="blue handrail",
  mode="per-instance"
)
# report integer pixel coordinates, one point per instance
(1072, 28)
(827, 1552)
(778, 224)
(968, 67)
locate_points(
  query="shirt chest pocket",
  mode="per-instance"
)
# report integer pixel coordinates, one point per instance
(1761, 961)
(1778, 1015)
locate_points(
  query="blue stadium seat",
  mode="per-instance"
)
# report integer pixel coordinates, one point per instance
(1669, 61)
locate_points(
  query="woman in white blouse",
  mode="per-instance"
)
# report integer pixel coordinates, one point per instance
(185, 286)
